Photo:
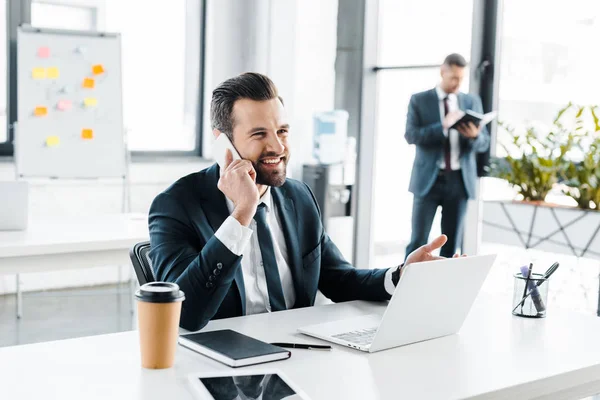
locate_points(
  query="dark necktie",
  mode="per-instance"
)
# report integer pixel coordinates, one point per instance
(267, 252)
(447, 142)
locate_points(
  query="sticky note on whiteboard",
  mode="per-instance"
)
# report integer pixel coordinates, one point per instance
(38, 73)
(64, 105)
(87, 134)
(89, 83)
(90, 102)
(52, 73)
(52, 141)
(40, 111)
(43, 52)
(97, 69)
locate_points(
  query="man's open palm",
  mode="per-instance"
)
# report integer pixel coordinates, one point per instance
(424, 253)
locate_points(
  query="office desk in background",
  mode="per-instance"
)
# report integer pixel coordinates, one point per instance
(496, 356)
(75, 242)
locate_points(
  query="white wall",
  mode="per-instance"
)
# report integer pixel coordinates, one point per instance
(3, 88)
(292, 41)
(314, 72)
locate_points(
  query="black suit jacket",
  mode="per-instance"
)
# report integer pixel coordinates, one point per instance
(183, 220)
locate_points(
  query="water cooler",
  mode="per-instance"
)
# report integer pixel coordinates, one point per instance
(331, 175)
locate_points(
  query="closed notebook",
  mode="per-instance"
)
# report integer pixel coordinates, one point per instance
(232, 348)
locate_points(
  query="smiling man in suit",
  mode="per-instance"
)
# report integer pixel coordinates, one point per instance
(444, 171)
(244, 239)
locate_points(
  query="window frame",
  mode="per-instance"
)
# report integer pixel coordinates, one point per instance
(19, 12)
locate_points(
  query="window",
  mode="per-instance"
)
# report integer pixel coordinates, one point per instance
(161, 63)
(423, 32)
(3, 69)
(76, 16)
(411, 34)
(542, 69)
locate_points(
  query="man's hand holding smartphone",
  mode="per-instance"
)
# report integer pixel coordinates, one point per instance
(238, 183)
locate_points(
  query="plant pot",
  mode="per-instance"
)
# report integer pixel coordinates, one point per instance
(544, 226)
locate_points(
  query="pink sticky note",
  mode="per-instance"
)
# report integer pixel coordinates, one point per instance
(43, 52)
(64, 105)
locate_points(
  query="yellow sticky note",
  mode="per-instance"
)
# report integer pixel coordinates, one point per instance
(97, 69)
(52, 141)
(88, 83)
(40, 111)
(52, 73)
(90, 101)
(87, 133)
(38, 73)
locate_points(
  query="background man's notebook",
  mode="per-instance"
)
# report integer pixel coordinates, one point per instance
(474, 117)
(232, 348)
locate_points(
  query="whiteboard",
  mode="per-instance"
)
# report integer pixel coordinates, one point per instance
(69, 102)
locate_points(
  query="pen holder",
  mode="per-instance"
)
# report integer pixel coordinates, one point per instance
(530, 302)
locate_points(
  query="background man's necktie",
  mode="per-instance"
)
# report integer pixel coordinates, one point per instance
(447, 142)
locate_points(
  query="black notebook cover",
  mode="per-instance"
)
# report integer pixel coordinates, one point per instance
(234, 345)
(470, 116)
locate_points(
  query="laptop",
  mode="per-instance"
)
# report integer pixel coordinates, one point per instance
(13, 205)
(432, 299)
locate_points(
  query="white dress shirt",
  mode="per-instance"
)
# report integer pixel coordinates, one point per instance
(236, 238)
(454, 134)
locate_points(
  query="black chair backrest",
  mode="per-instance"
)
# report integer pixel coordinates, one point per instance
(142, 265)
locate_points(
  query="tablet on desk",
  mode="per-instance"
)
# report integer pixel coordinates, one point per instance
(249, 384)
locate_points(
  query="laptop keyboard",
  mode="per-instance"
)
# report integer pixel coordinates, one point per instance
(361, 337)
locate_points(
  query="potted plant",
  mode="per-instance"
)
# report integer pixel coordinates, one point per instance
(583, 177)
(537, 161)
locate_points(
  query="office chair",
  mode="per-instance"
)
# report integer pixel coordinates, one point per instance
(140, 258)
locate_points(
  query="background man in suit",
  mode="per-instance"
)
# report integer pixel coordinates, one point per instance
(444, 171)
(244, 239)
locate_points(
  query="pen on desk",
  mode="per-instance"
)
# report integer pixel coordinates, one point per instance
(533, 292)
(302, 346)
(526, 284)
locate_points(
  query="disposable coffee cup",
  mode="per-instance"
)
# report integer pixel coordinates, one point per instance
(159, 309)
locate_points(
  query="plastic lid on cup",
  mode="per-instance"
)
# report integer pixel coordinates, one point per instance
(159, 292)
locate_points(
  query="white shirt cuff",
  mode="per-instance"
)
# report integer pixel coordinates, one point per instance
(234, 235)
(388, 283)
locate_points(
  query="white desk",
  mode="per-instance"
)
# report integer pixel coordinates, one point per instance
(59, 243)
(496, 356)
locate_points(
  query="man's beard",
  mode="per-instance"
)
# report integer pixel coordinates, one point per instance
(267, 177)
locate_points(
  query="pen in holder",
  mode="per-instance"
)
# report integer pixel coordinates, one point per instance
(530, 295)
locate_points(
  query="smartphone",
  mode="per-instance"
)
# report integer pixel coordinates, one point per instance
(221, 144)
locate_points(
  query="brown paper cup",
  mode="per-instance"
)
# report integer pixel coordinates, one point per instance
(159, 309)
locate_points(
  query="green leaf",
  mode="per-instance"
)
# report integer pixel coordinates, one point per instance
(595, 117)
(561, 112)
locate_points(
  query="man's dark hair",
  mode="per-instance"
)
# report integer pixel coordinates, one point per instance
(455, 59)
(250, 85)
